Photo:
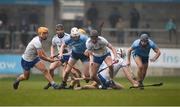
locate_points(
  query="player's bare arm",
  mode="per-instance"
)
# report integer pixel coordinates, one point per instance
(113, 50)
(61, 50)
(129, 56)
(158, 53)
(52, 51)
(43, 56)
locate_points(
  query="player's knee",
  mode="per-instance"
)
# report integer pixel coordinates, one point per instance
(45, 71)
(26, 77)
(51, 70)
(111, 68)
(140, 67)
(92, 77)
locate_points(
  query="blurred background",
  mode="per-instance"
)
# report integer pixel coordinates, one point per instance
(123, 21)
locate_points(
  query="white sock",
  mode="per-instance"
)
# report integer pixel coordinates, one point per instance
(52, 82)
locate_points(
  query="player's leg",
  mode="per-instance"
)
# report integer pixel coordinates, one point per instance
(85, 71)
(66, 71)
(129, 76)
(74, 74)
(145, 67)
(52, 67)
(117, 86)
(40, 66)
(94, 85)
(78, 72)
(26, 66)
(21, 77)
(109, 62)
(139, 63)
(94, 69)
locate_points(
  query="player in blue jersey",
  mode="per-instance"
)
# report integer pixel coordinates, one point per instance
(140, 50)
(57, 41)
(77, 42)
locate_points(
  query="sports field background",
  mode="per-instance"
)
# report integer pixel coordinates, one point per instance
(154, 15)
(31, 93)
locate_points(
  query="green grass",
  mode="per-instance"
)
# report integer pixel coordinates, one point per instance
(31, 93)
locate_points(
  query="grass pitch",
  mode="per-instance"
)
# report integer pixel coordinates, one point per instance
(31, 93)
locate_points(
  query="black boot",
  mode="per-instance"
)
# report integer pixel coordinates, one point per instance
(63, 85)
(141, 86)
(47, 86)
(16, 84)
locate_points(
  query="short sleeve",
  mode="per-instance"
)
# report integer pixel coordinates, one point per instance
(88, 46)
(104, 41)
(152, 44)
(135, 44)
(37, 44)
(53, 42)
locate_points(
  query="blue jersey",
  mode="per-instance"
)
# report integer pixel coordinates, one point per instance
(141, 51)
(77, 46)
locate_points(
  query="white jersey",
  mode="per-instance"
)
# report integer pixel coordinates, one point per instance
(31, 50)
(117, 66)
(99, 48)
(56, 41)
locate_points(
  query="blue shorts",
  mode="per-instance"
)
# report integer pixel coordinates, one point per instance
(80, 56)
(104, 82)
(28, 65)
(143, 59)
(65, 58)
(99, 60)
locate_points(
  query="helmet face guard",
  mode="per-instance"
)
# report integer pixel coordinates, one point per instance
(74, 32)
(144, 37)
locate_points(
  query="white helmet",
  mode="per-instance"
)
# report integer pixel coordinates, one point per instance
(121, 52)
(74, 32)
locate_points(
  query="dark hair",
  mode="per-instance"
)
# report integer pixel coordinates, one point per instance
(93, 33)
(59, 26)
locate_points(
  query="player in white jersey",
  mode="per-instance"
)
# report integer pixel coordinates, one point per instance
(98, 50)
(103, 74)
(57, 41)
(32, 57)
